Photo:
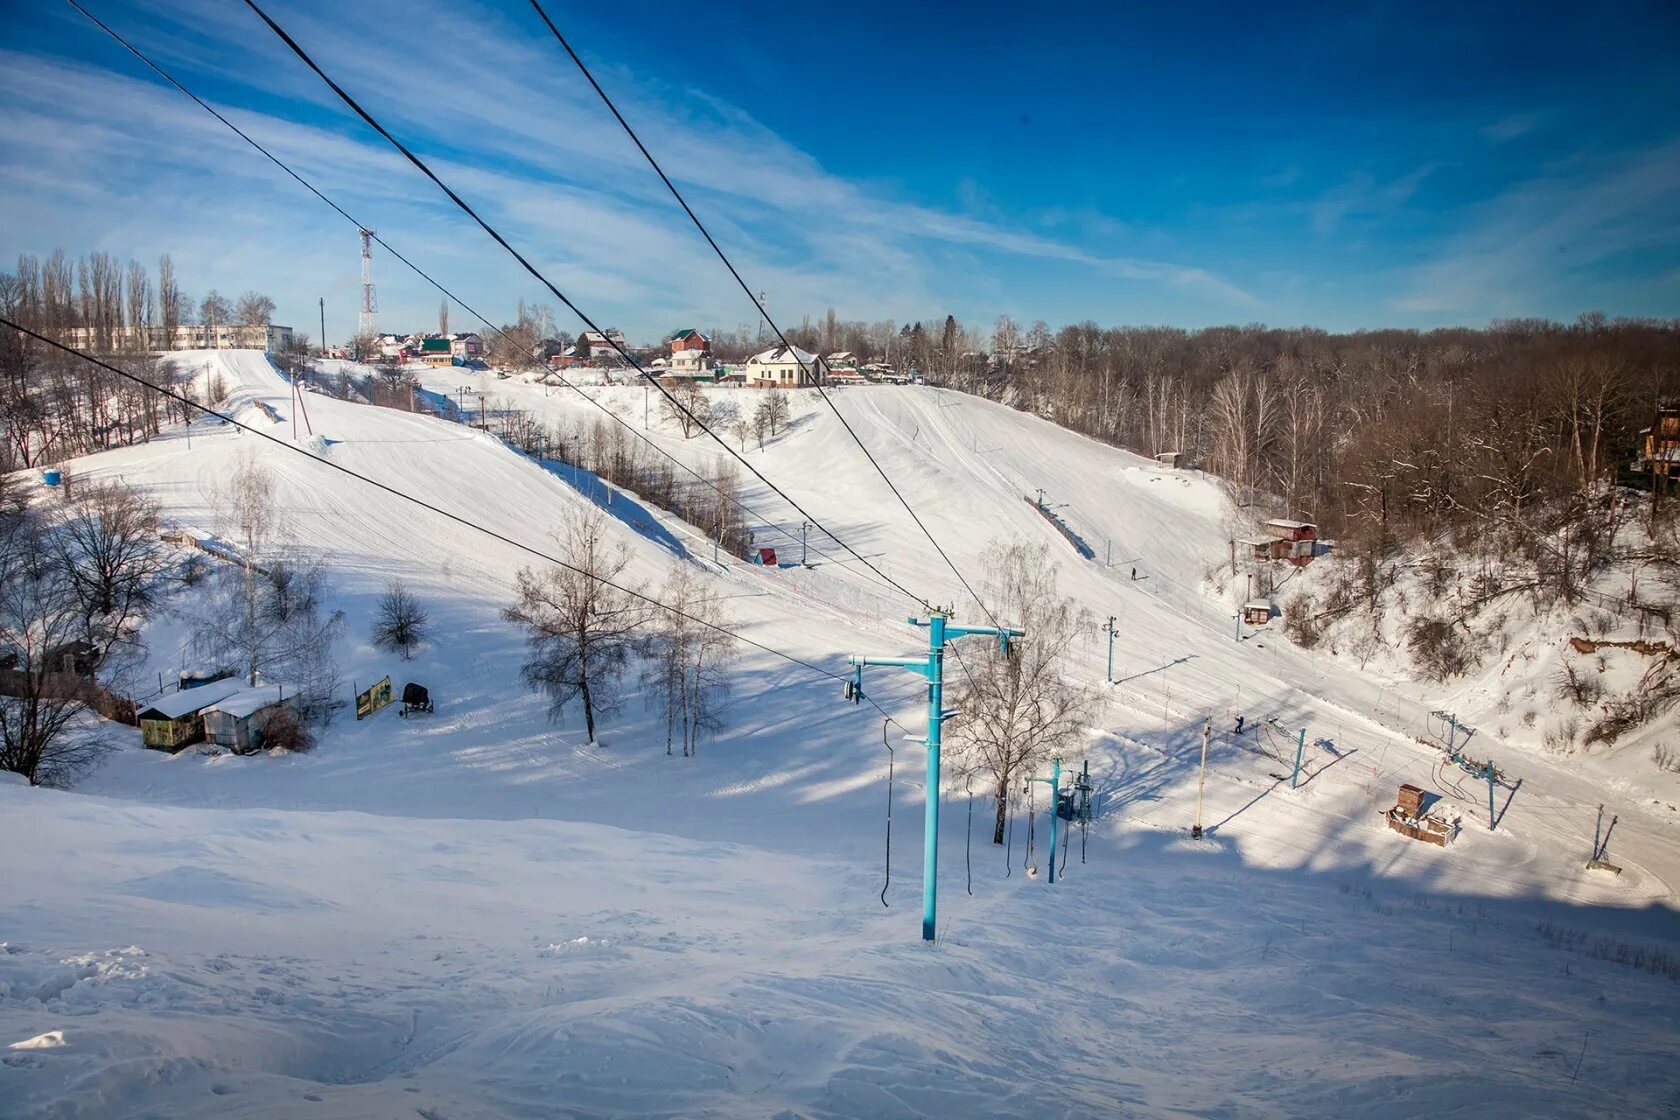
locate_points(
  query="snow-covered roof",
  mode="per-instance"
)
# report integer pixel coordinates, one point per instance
(189, 700)
(249, 701)
(782, 355)
(1284, 523)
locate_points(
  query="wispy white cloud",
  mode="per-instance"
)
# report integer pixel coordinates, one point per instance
(1544, 235)
(1362, 195)
(1510, 127)
(523, 138)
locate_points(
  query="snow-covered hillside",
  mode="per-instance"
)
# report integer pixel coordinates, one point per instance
(480, 914)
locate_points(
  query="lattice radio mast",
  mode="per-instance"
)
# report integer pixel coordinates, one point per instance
(370, 302)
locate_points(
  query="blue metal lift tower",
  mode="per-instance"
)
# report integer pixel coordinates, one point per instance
(932, 668)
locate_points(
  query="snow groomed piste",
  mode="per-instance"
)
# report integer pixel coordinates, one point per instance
(480, 914)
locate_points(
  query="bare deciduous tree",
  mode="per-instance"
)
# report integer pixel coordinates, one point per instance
(689, 407)
(400, 623)
(263, 615)
(1019, 709)
(580, 632)
(40, 703)
(107, 543)
(689, 657)
(771, 415)
(254, 310)
(214, 312)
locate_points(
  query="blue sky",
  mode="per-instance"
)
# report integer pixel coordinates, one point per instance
(1345, 166)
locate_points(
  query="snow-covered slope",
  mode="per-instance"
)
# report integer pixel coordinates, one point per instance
(479, 914)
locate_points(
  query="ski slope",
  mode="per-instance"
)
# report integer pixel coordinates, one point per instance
(482, 915)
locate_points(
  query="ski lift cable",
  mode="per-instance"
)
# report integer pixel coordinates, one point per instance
(422, 503)
(820, 361)
(968, 847)
(1009, 835)
(1067, 840)
(890, 759)
(1028, 864)
(447, 293)
(537, 275)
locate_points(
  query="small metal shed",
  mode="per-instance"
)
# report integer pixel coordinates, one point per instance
(177, 720)
(238, 722)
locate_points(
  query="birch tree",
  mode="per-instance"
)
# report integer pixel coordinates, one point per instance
(1022, 708)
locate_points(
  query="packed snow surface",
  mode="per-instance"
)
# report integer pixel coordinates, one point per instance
(479, 914)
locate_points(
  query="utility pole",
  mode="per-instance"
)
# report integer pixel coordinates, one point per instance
(1108, 677)
(1054, 781)
(323, 302)
(931, 668)
(1201, 782)
(646, 390)
(804, 527)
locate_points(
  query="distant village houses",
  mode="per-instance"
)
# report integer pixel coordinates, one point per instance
(431, 349)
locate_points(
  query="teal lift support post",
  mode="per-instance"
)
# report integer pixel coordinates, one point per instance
(932, 668)
(1483, 770)
(1300, 750)
(1108, 676)
(1054, 781)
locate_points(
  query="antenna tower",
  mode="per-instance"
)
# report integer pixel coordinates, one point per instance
(370, 302)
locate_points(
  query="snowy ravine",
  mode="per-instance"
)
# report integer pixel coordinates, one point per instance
(478, 915)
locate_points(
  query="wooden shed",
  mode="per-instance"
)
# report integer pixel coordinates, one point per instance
(1169, 458)
(1257, 613)
(1286, 530)
(177, 720)
(240, 721)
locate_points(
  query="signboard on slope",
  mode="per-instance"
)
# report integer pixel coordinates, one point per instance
(373, 699)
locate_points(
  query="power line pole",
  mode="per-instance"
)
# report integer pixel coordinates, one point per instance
(804, 527)
(932, 669)
(1201, 782)
(323, 302)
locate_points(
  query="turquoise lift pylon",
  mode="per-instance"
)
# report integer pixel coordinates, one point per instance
(931, 668)
(1054, 781)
